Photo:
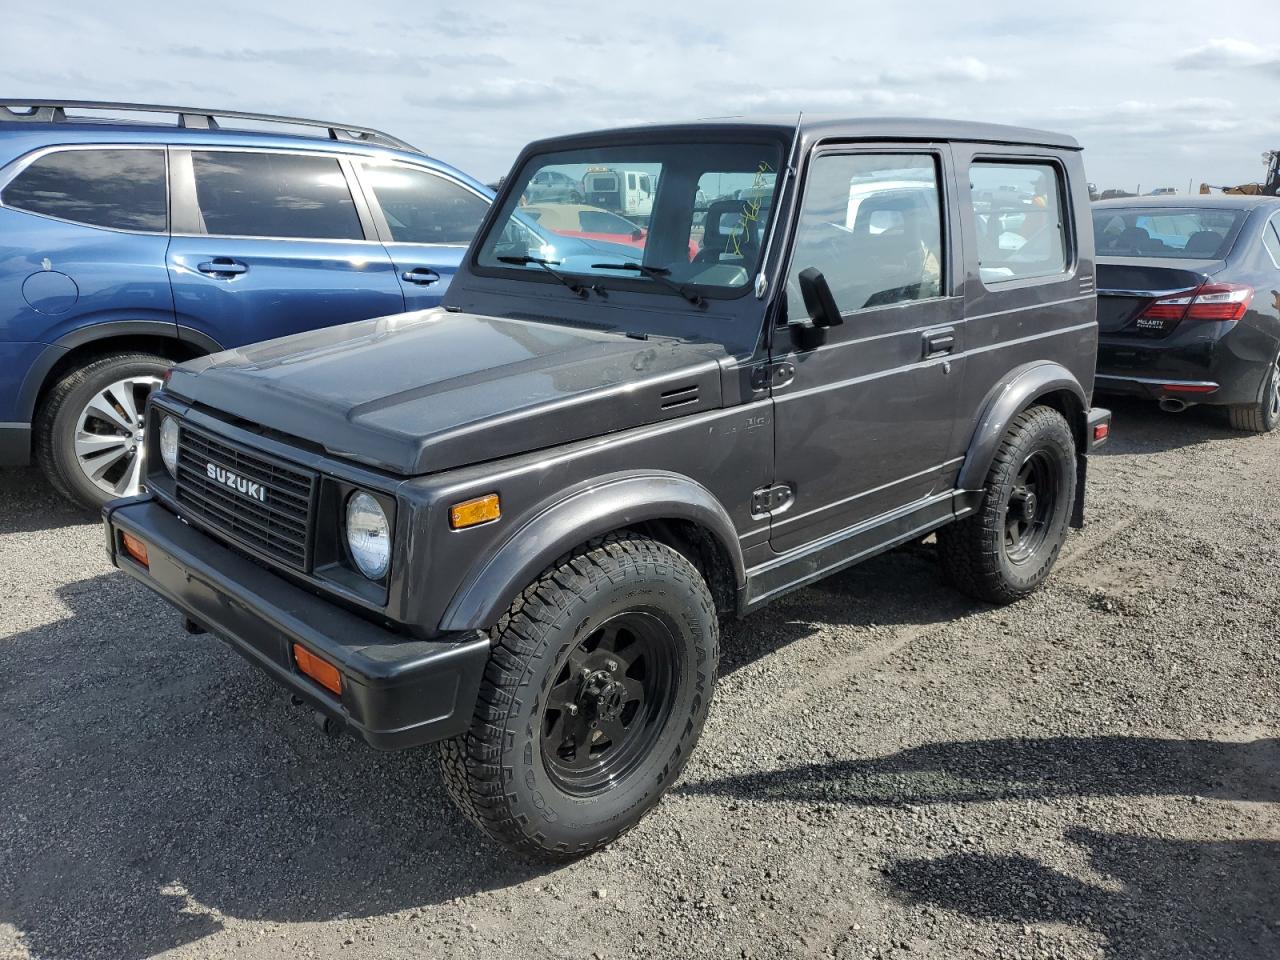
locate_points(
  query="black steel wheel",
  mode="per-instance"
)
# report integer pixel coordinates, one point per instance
(1032, 501)
(1006, 548)
(593, 699)
(604, 710)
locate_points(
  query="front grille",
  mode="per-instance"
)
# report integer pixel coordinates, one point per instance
(275, 525)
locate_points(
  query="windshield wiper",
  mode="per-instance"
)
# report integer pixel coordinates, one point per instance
(546, 265)
(659, 274)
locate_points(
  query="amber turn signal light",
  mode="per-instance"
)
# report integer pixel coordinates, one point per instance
(469, 513)
(321, 671)
(135, 548)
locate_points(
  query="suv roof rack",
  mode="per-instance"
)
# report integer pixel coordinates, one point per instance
(55, 111)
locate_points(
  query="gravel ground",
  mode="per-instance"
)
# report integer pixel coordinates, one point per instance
(890, 770)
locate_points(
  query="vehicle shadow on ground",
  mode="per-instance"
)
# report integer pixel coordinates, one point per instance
(904, 587)
(1166, 899)
(1140, 426)
(1009, 769)
(155, 783)
(28, 504)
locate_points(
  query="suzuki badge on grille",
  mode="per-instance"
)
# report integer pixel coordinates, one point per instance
(239, 484)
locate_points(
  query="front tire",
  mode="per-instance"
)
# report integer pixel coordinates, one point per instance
(1264, 415)
(594, 696)
(1005, 550)
(89, 427)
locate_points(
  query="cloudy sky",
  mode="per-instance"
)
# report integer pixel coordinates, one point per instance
(1158, 93)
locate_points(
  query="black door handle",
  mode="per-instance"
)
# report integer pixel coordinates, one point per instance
(938, 343)
(223, 267)
(420, 275)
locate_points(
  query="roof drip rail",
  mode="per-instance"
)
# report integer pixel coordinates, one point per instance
(191, 118)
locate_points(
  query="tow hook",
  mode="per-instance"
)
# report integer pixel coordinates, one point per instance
(328, 726)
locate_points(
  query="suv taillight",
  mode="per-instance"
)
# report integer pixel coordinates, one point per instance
(1211, 301)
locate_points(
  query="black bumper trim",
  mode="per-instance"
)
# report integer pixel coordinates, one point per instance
(396, 692)
(15, 444)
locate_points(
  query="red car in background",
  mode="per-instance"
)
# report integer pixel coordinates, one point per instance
(590, 223)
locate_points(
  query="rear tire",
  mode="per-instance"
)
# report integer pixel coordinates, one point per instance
(1005, 550)
(1264, 415)
(90, 422)
(594, 696)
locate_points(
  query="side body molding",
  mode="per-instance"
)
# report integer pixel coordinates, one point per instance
(1015, 393)
(591, 511)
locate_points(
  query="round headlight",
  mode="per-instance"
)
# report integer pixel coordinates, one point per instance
(368, 535)
(169, 445)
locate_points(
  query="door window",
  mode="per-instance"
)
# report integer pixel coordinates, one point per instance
(872, 224)
(1017, 208)
(120, 189)
(243, 194)
(421, 207)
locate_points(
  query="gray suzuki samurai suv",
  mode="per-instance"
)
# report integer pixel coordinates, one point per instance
(511, 525)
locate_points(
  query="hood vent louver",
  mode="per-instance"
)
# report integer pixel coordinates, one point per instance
(680, 397)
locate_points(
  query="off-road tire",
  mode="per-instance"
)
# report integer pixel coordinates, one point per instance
(55, 421)
(1263, 415)
(496, 772)
(973, 550)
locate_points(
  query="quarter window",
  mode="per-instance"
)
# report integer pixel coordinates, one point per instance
(871, 224)
(1271, 240)
(244, 194)
(1017, 208)
(120, 189)
(421, 207)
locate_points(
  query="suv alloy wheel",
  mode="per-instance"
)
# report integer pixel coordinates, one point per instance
(89, 430)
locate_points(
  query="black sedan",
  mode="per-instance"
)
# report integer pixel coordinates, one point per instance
(1189, 303)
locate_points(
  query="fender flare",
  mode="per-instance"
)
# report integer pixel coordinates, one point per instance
(1023, 386)
(589, 512)
(35, 379)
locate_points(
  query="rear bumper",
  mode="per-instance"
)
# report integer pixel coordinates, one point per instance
(1217, 363)
(396, 692)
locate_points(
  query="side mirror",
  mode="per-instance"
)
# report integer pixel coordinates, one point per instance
(637, 234)
(820, 305)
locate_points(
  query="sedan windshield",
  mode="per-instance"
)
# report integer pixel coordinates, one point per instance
(660, 217)
(1186, 233)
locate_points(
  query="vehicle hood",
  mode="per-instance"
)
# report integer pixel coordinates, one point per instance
(420, 392)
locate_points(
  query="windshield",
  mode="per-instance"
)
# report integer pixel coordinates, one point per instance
(1169, 232)
(661, 217)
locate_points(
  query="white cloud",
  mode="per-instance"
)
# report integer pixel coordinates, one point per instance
(1226, 52)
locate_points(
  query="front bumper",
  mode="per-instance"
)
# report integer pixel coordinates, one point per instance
(396, 692)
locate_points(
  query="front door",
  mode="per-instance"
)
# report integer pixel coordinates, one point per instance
(271, 243)
(426, 221)
(864, 420)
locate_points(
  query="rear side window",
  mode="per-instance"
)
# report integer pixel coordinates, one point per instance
(1017, 210)
(274, 195)
(1271, 240)
(120, 189)
(421, 207)
(1165, 232)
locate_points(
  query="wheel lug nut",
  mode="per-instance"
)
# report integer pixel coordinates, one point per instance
(573, 709)
(612, 665)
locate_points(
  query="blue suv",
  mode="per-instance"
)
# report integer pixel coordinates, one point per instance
(128, 245)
